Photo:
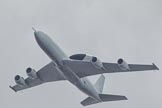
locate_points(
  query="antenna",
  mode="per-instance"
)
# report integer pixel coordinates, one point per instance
(33, 29)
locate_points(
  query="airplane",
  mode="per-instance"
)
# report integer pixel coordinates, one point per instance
(75, 69)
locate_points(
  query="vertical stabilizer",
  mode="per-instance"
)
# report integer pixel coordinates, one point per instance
(100, 83)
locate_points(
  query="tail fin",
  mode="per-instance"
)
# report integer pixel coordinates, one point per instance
(104, 98)
(100, 84)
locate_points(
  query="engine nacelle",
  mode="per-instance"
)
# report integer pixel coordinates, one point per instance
(31, 73)
(123, 64)
(19, 80)
(96, 62)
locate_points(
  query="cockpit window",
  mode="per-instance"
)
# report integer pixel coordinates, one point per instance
(78, 56)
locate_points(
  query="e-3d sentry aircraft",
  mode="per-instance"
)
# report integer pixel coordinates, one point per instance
(75, 69)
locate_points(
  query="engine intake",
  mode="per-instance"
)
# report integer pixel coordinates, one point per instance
(31, 73)
(19, 80)
(123, 64)
(96, 63)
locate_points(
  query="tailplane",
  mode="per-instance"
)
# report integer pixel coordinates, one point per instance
(104, 98)
(89, 101)
(109, 97)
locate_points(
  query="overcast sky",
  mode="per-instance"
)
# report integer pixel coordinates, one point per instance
(108, 29)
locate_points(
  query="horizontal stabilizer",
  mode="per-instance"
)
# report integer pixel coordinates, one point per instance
(104, 98)
(108, 97)
(89, 101)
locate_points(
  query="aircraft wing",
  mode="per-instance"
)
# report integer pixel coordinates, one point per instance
(84, 68)
(48, 73)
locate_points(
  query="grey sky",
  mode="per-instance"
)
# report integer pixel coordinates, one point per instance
(108, 29)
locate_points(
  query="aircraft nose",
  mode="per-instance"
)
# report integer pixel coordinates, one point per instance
(36, 34)
(39, 36)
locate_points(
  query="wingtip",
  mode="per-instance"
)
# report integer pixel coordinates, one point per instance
(155, 66)
(12, 88)
(125, 98)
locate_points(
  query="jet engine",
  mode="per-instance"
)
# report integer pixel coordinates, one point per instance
(96, 62)
(31, 73)
(123, 64)
(19, 80)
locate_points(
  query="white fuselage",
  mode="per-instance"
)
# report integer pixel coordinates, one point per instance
(57, 55)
